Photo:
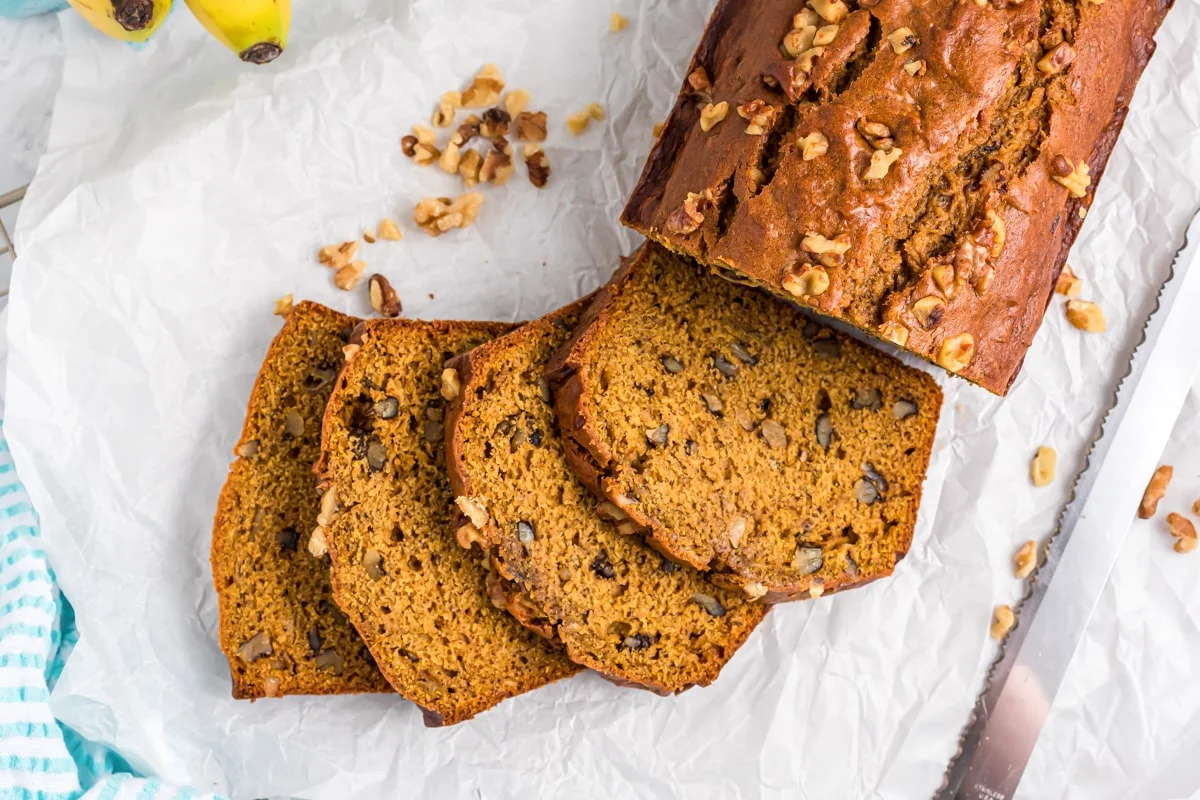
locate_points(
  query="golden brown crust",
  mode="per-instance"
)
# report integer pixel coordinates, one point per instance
(275, 590)
(594, 462)
(974, 104)
(523, 582)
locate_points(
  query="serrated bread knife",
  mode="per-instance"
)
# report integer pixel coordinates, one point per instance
(1022, 684)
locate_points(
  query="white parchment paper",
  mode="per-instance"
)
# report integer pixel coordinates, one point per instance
(183, 192)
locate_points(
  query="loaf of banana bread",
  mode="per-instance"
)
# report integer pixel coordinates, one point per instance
(916, 169)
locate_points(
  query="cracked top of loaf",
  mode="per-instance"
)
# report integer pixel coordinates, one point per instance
(918, 170)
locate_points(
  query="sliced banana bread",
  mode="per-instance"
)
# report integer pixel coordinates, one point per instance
(746, 440)
(419, 601)
(279, 627)
(616, 605)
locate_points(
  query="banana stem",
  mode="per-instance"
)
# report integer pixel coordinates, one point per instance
(261, 53)
(133, 15)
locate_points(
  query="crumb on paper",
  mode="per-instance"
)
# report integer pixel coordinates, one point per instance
(437, 215)
(389, 230)
(617, 23)
(283, 306)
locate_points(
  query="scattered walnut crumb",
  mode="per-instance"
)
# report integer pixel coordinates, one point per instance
(389, 230)
(1025, 560)
(1086, 316)
(368, 236)
(531, 126)
(617, 23)
(337, 255)
(578, 122)
(467, 131)
(595, 111)
(1155, 489)
(515, 101)
(347, 277)
(1181, 527)
(436, 215)
(1068, 282)
(283, 307)
(537, 164)
(1002, 621)
(494, 124)
(658, 129)
(497, 164)
(711, 114)
(443, 115)
(448, 162)
(383, 297)
(1041, 469)
(469, 168)
(485, 89)
(425, 135)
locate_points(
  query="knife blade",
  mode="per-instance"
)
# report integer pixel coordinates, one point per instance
(1012, 709)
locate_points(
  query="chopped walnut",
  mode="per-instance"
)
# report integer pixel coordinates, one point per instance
(283, 306)
(902, 40)
(688, 217)
(443, 116)
(515, 102)
(956, 352)
(825, 35)
(578, 122)
(436, 215)
(1042, 468)
(1002, 621)
(451, 385)
(616, 23)
(485, 89)
(991, 232)
(894, 332)
(699, 81)
(347, 277)
(814, 145)
(494, 123)
(1086, 316)
(1025, 560)
(1056, 59)
(915, 68)
(657, 130)
(595, 111)
(711, 114)
(1072, 176)
(469, 168)
(337, 255)
(537, 164)
(807, 60)
(472, 507)
(806, 18)
(881, 162)
(384, 299)
(389, 230)
(798, 40)
(531, 126)
(760, 116)
(1183, 544)
(754, 590)
(449, 159)
(810, 282)
(425, 154)
(1155, 489)
(425, 135)
(1184, 531)
(816, 243)
(408, 145)
(943, 277)
(929, 311)
(497, 164)
(830, 10)
(878, 135)
(1068, 283)
(466, 131)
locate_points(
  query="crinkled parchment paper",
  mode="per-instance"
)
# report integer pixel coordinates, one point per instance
(183, 192)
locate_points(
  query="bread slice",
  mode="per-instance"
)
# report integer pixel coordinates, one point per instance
(279, 627)
(419, 601)
(616, 605)
(745, 438)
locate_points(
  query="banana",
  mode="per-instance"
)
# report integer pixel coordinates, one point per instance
(256, 30)
(127, 20)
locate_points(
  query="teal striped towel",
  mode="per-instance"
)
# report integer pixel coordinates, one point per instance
(40, 758)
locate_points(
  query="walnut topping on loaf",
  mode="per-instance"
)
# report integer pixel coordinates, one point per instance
(955, 145)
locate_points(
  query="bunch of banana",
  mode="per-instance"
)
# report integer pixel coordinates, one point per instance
(127, 20)
(256, 30)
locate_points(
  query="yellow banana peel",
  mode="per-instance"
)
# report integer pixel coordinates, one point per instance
(126, 20)
(256, 30)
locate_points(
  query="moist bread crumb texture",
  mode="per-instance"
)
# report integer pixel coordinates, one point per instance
(279, 626)
(746, 439)
(617, 605)
(918, 170)
(419, 601)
